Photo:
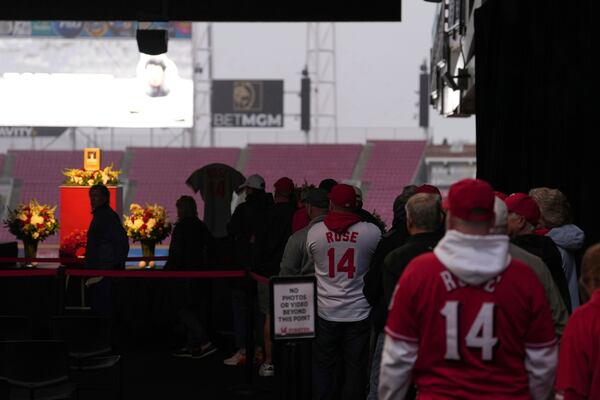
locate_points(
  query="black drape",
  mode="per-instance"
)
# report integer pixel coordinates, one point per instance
(536, 101)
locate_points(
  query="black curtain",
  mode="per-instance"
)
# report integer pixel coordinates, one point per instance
(536, 101)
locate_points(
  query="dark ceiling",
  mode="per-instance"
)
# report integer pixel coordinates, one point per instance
(211, 10)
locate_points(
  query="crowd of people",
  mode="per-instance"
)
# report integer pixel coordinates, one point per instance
(478, 295)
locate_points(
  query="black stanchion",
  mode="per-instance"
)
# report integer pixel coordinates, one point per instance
(296, 370)
(62, 288)
(289, 378)
(248, 388)
(249, 366)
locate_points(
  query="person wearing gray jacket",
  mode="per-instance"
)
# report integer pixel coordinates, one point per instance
(569, 239)
(556, 222)
(296, 260)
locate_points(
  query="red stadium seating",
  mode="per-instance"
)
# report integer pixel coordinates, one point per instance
(391, 166)
(310, 163)
(159, 174)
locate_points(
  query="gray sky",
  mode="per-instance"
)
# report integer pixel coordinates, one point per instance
(377, 67)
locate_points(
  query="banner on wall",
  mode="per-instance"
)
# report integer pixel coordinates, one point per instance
(90, 29)
(247, 103)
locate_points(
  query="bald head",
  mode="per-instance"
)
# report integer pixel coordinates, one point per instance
(423, 213)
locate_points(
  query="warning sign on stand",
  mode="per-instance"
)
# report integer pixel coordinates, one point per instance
(293, 307)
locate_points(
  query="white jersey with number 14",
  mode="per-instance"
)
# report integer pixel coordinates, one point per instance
(341, 262)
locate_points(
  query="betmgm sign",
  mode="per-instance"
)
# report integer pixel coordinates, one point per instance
(247, 104)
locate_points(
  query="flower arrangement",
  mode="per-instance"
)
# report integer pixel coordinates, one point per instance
(32, 222)
(147, 223)
(81, 177)
(74, 244)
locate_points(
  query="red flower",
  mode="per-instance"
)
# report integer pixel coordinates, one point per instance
(74, 244)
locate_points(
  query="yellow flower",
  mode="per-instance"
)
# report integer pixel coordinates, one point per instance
(23, 217)
(36, 219)
(35, 235)
(138, 223)
(151, 223)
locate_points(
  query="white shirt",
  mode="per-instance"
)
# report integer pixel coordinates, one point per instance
(341, 262)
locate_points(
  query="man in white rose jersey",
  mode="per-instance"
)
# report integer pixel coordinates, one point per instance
(466, 321)
(341, 247)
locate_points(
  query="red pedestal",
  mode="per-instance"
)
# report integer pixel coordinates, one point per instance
(75, 209)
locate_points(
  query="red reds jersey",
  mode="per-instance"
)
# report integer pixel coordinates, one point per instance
(578, 374)
(471, 339)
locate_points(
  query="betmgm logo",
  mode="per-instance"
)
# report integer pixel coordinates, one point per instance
(243, 104)
(247, 96)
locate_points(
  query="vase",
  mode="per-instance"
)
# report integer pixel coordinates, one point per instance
(30, 250)
(148, 247)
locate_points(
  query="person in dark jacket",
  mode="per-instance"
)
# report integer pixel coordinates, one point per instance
(242, 230)
(107, 248)
(191, 241)
(423, 220)
(190, 245)
(275, 229)
(300, 219)
(523, 216)
(270, 245)
(247, 219)
(107, 243)
(373, 289)
(391, 240)
(365, 215)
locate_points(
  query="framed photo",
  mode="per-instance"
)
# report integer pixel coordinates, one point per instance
(91, 159)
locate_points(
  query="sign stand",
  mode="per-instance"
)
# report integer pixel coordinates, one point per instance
(293, 324)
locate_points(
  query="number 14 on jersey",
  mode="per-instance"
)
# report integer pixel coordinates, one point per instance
(481, 333)
(344, 265)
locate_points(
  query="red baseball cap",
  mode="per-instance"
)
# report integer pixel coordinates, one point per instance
(500, 195)
(471, 200)
(525, 206)
(445, 204)
(343, 195)
(428, 189)
(284, 185)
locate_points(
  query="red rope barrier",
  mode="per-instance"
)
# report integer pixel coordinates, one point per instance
(41, 259)
(65, 260)
(8, 273)
(259, 278)
(141, 273)
(154, 273)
